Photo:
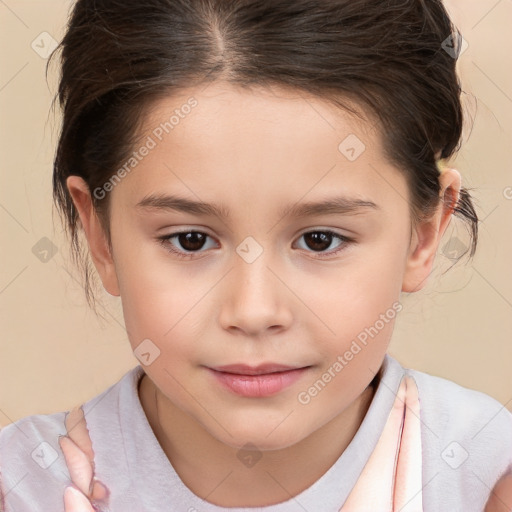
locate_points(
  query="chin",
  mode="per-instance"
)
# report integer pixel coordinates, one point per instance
(260, 437)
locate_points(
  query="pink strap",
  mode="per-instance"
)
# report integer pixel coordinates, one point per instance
(87, 494)
(392, 478)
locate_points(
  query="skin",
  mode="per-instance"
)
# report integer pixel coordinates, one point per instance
(500, 499)
(255, 151)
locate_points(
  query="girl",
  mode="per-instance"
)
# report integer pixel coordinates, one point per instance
(259, 182)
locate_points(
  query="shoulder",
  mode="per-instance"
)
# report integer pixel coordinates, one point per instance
(33, 470)
(31, 462)
(464, 413)
(466, 443)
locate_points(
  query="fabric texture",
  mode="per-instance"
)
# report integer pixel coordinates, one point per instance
(466, 443)
(391, 479)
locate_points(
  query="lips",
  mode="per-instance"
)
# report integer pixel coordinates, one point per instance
(257, 381)
(243, 369)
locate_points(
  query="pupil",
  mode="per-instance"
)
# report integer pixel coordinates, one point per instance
(191, 241)
(320, 240)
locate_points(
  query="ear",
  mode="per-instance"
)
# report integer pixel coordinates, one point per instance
(96, 237)
(427, 235)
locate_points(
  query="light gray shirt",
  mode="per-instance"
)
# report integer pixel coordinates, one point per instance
(466, 445)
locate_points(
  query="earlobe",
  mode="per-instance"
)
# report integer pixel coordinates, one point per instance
(94, 232)
(427, 235)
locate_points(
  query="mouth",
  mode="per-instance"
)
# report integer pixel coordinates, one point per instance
(262, 369)
(257, 381)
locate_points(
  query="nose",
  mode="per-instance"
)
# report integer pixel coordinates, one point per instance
(256, 302)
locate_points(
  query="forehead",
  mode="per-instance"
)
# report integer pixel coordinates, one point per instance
(283, 111)
(257, 143)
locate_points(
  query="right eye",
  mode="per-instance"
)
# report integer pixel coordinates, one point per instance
(190, 241)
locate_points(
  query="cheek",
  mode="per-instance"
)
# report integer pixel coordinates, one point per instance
(357, 306)
(163, 318)
(361, 319)
(157, 299)
(354, 296)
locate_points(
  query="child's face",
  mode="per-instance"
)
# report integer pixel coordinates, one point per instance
(256, 290)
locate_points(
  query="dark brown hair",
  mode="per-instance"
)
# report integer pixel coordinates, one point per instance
(394, 58)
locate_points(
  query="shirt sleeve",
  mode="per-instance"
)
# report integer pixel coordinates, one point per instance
(467, 444)
(33, 471)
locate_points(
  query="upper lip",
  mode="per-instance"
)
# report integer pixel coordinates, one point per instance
(244, 369)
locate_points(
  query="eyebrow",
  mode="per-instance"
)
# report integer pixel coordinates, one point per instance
(338, 205)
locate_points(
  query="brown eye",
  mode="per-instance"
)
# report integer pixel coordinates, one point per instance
(185, 244)
(191, 241)
(320, 241)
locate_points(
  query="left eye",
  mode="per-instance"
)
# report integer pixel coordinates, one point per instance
(320, 240)
(192, 242)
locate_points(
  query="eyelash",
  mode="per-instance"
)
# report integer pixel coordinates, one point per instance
(165, 242)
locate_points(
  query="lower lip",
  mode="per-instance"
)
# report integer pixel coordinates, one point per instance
(257, 386)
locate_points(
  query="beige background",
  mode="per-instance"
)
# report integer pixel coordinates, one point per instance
(55, 353)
